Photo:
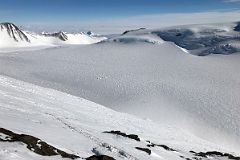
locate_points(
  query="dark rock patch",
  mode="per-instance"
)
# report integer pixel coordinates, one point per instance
(61, 35)
(131, 136)
(223, 48)
(34, 144)
(185, 158)
(215, 154)
(132, 30)
(148, 151)
(100, 157)
(182, 157)
(237, 27)
(160, 145)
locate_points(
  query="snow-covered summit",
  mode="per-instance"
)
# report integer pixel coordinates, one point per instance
(11, 36)
(13, 32)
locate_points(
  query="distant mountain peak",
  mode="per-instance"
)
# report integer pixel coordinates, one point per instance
(14, 32)
(61, 35)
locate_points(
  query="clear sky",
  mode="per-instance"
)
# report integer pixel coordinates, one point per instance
(72, 11)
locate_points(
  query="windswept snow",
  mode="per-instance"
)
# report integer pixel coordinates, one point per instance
(77, 125)
(159, 82)
(185, 102)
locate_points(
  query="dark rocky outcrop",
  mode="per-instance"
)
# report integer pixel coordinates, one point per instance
(148, 151)
(100, 157)
(160, 145)
(131, 136)
(34, 144)
(60, 35)
(215, 154)
(132, 30)
(237, 27)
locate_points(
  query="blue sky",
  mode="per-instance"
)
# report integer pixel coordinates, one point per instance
(73, 11)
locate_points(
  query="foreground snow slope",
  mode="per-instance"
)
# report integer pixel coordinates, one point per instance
(159, 82)
(76, 126)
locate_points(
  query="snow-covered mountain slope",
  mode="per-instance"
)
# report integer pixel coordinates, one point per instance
(159, 82)
(12, 37)
(195, 39)
(62, 38)
(60, 35)
(77, 126)
(204, 39)
(136, 36)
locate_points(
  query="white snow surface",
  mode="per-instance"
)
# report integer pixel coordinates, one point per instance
(75, 125)
(185, 101)
(159, 82)
(78, 38)
(134, 36)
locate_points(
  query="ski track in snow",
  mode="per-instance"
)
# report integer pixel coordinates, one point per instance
(93, 138)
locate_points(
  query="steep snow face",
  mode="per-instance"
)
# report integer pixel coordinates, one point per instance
(76, 125)
(11, 36)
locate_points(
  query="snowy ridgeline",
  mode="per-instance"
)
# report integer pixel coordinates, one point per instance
(83, 128)
(195, 39)
(11, 37)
